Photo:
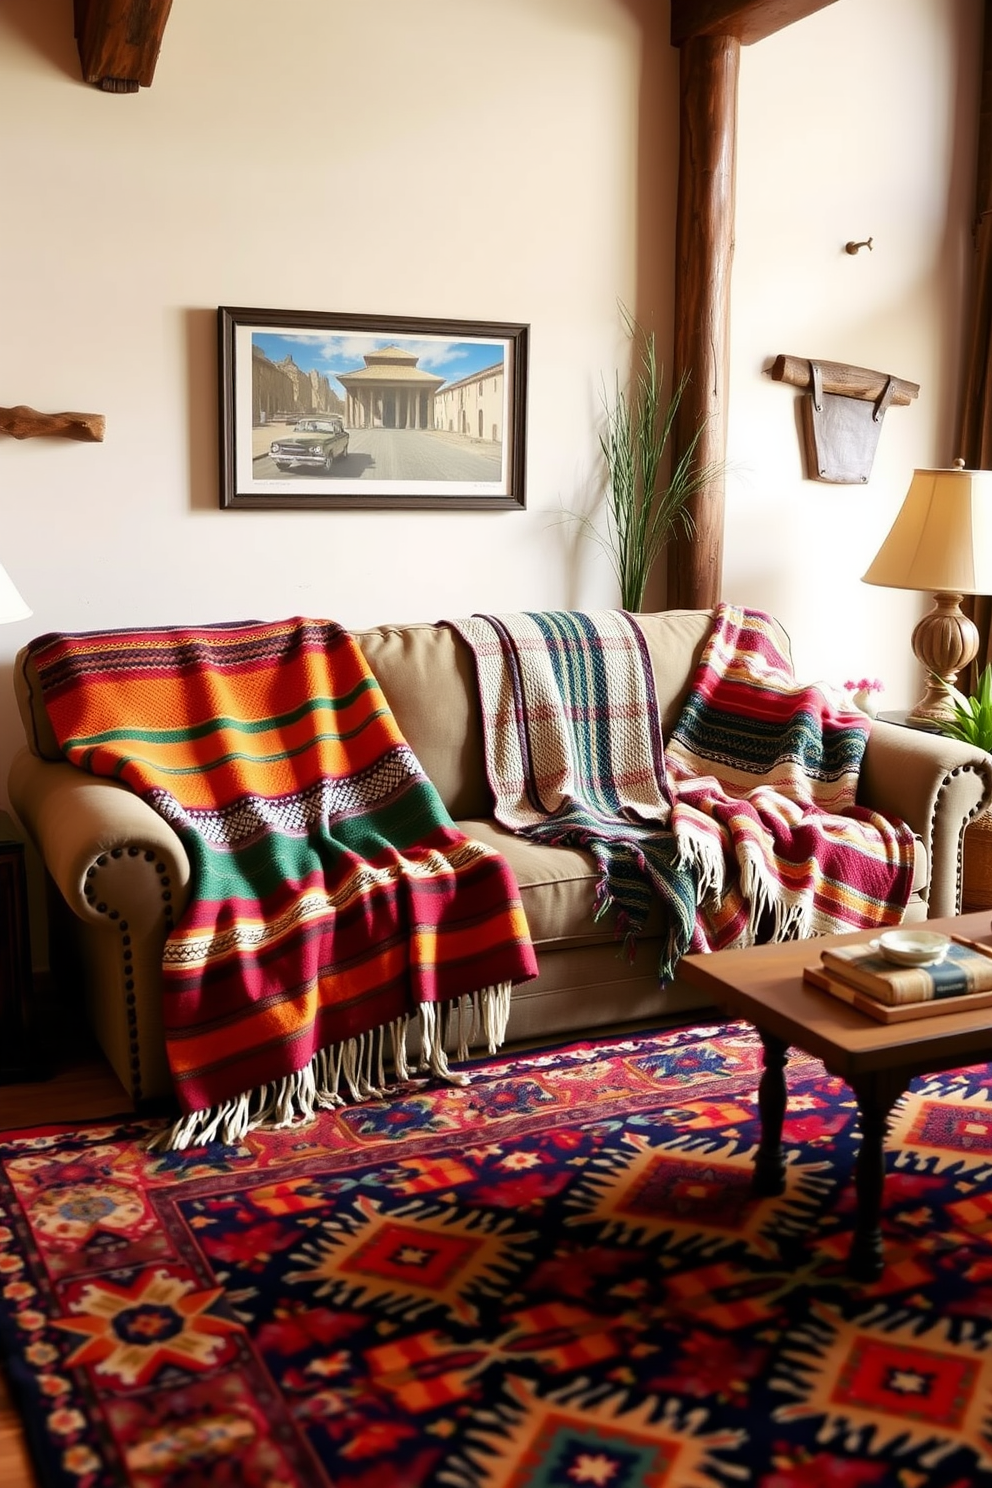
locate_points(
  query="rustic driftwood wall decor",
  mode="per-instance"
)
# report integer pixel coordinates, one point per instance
(842, 414)
(27, 423)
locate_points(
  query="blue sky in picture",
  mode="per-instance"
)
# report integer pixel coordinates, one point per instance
(329, 354)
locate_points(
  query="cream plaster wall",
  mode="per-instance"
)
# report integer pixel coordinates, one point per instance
(472, 159)
(858, 123)
(482, 159)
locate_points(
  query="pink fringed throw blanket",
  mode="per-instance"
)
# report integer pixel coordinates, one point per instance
(764, 777)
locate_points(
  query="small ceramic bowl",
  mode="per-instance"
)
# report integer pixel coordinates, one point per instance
(913, 947)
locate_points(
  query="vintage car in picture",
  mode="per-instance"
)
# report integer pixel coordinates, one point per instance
(314, 444)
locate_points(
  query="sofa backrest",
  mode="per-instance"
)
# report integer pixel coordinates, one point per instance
(427, 673)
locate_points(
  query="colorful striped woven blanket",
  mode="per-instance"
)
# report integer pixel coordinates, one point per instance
(332, 896)
(746, 824)
(764, 777)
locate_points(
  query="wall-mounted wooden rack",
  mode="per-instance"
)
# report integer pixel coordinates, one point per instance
(841, 415)
(27, 423)
(838, 377)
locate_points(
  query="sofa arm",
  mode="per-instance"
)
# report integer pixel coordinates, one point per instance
(936, 785)
(95, 836)
(122, 879)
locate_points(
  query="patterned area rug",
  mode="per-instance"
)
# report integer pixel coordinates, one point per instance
(555, 1277)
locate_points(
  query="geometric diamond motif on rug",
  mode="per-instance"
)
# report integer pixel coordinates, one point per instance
(696, 1194)
(937, 1133)
(411, 1259)
(897, 1385)
(557, 1442)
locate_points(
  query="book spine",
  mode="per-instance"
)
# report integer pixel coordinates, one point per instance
(845, 992)
(911, 985)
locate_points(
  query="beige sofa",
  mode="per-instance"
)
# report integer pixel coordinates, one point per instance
(120, 877)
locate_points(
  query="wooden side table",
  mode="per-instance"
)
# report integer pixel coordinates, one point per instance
(21, 1056)
(900, 715)
(765, 985)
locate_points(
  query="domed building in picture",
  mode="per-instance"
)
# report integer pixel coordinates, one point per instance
(390, 392)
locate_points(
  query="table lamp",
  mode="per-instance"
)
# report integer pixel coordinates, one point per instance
(941, 541)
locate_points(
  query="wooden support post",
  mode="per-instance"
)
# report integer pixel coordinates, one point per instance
(119, 41)
(975, 435)
(710, 34)
(704, 254)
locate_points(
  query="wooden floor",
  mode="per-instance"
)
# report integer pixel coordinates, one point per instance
(81, 1087)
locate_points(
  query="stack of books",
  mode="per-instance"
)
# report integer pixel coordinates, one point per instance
(862, 976)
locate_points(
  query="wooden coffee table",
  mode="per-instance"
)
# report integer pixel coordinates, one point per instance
(877, 1060)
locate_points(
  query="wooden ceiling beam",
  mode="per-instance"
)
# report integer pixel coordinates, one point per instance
(119, 41)
(745, 20)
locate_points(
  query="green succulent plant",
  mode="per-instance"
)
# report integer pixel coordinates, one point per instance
(972, 717)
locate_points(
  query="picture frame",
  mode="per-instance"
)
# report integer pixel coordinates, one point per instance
(326, 410)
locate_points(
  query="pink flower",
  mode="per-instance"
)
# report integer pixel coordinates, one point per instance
(865, 684)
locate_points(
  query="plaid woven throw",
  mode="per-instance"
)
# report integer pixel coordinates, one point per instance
(332, 896)
(764, 776)
(574, 754)
(746, 824)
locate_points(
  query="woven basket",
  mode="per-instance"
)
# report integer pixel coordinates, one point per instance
(977, 887)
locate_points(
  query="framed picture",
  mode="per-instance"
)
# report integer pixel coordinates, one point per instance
(367, 411)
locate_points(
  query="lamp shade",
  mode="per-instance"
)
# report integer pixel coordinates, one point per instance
(942, 536)
(12, 606)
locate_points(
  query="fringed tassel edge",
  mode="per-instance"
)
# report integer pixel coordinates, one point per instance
(351, 1072)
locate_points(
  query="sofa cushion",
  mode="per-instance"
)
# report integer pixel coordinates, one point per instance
(558, 888)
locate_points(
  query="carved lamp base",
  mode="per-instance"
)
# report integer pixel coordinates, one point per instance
(945, 641)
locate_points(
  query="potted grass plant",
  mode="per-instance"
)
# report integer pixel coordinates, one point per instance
(971, 721)
(645, 504)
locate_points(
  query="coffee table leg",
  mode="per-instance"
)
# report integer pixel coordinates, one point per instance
(769, 1162)
(875, 1101)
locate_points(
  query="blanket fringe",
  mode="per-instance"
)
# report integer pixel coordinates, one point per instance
(351, 1072)
(704, 854)
(792, 919)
